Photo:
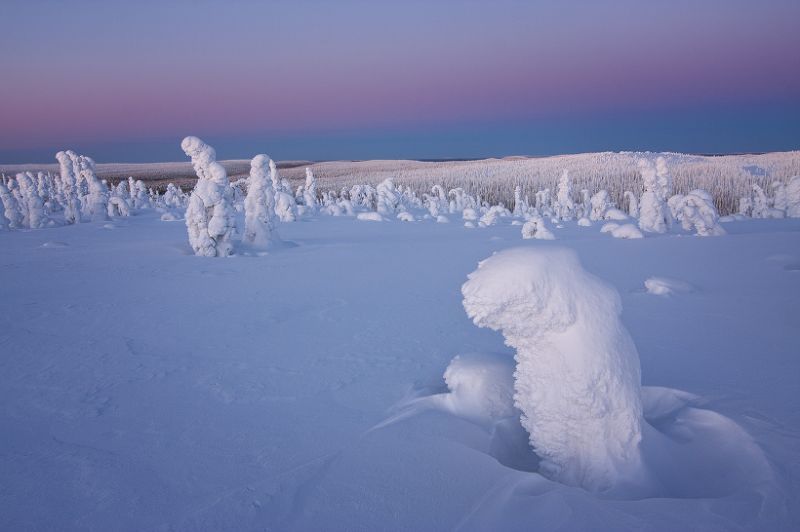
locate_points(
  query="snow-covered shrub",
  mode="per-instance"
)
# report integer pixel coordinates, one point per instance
(615, 214)
(577, 380)
(584, 222)
(626, 231)
(259, 205)
(369, 217)
(793, 197)
(210, 217)
(654, 216)
(490, 216)
(564, 208)
(536, 228)
(696, 211)
(118, 206)
(11, 207)
(405, 216)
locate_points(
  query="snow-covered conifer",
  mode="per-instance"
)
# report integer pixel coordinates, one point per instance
(564, 207)
(577, 379)
(633, 204)
(33, 214)
(71, 204)
(793, 197)
(209, 216)
(387, 198)
(696, 211)
(601, 203)
(12, 210)
(259, 205)
(654, 215)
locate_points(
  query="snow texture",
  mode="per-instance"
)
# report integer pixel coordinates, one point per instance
(577, 380)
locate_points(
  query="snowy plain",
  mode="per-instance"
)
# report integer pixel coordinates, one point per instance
(144, 388)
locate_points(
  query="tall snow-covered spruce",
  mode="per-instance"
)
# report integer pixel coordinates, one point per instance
(210, 217)
(577, 380)
(259, 205)
(654, 215)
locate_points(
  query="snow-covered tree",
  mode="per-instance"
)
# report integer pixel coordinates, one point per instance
(259, 205)
(12, 210)
(387, 199)
(793, 197)
(33, 214)
(654, 215)
(601, 203)
(577, 379)
(210, 217)
(780, 199)
(633, 204)
(68, 178)
(95, 202)
(310, 192)
(564, 207)
(696, 211)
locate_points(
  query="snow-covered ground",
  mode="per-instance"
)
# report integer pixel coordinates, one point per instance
(145, 388)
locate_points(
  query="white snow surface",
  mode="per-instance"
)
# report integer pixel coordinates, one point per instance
(145, 388)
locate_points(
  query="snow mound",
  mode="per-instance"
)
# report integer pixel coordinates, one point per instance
(585, 222)
(663, 286)
(405, 217)
(481, 388)
(577, 379)
(627, 231)
(615, 214)
(610, 226)
(441, 219)
(369, 217)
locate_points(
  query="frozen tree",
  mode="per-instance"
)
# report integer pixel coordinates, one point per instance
(32, 206)
(259, 205)
(780, 200)
(577, 380)
(139, 196)
(12, 210)
(760, 207)
(173, 197)
(564, 207)
(535, 227)
(586, 204)
(209, 216)
(793, 197)
(544, 202)
(95, 202)
(633, 204)
(654, 215)
(71, 203)
(745, 206)
(601, 203)
(696, 211)
(310, 192)
(387, 198)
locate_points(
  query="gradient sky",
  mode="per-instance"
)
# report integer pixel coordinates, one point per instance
(125, 80)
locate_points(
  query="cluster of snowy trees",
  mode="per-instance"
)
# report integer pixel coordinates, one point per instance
(74, 195)
(726, 178)
(214, 212)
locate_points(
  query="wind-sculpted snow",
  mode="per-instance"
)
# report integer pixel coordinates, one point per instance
(577, 378)
(144, 388)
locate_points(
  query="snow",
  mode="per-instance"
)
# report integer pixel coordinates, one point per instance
(145, 388)
(577, 380)
(626, 231)
(662, 286)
